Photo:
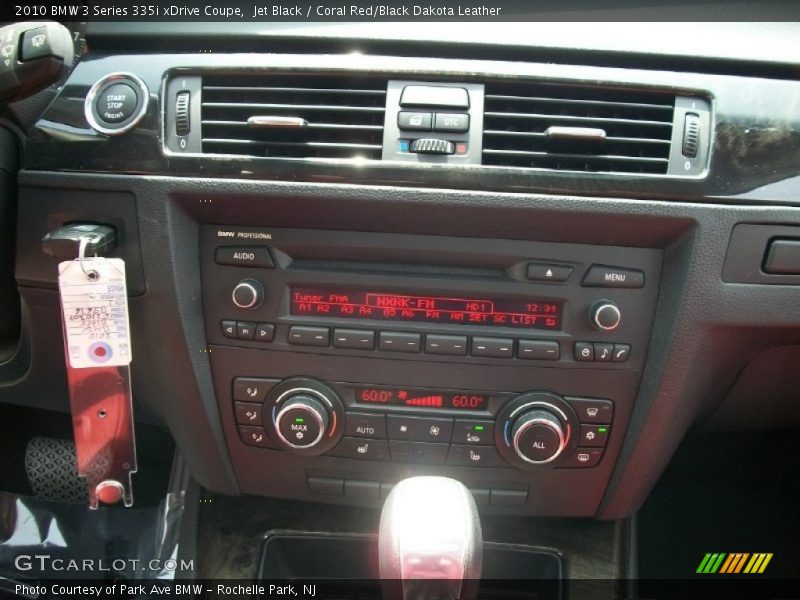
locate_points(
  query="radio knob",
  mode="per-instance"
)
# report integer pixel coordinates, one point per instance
(301, 421)
(248, 293)
(605, 315)
(538, 436)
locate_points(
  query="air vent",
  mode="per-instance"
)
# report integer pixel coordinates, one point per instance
(297, 116)
(573, 128)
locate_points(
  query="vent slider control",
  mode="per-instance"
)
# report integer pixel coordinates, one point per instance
(269, 121)
(432, 146)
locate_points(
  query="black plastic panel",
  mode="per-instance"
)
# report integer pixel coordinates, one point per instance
(754, 157)
(705, 330)
(746, 260)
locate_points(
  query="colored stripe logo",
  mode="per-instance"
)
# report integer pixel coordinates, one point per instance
(734, 562)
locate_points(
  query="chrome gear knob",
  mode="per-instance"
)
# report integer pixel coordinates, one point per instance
(430, 544)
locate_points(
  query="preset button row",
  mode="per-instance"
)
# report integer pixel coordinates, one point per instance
(412, 343)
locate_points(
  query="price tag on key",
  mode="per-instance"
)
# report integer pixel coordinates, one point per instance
(97, 344)
(94, 302)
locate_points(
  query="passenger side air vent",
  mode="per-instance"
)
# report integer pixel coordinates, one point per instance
(575, 128)
(293, 116)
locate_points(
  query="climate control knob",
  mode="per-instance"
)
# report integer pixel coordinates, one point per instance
(248, 293)
(301, 421)
(605, 315)
(538, 436)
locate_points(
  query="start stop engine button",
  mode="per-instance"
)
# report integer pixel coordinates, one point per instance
(116, 103)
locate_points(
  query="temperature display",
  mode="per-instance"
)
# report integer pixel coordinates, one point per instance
(422, 398)
(361, 304)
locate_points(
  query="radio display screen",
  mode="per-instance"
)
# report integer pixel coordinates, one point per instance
(421, 398)
(451, 310)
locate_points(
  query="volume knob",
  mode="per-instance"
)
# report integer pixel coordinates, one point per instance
(248, 293)
(605, 315)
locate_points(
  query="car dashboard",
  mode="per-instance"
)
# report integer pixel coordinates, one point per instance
(531, 262)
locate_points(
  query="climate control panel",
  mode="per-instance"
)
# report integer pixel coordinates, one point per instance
(529, 430)
(353, 359)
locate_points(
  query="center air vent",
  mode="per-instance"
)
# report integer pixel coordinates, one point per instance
(293, 116)
(575, 128)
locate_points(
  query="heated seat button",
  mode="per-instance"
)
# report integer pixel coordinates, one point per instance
(365, 425)
(355, 339)
(493, 347)
(301, 335)
(397, 341)
(473, 432)
(475, 456)
(414, 121)
(419, 453)
(353, 447)
(247, 413)
(116, 103)
(538, 350)
(453, 345)
(419, 429)
(250, 256)
(584, 457)
(613, 277)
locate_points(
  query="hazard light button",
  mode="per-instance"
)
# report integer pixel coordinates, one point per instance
(548, 272)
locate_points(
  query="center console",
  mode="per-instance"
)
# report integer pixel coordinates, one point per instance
(346, 361)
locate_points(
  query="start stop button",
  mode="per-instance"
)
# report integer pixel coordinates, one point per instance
(116, 103)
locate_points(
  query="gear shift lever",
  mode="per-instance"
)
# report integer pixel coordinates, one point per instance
(430, 545)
